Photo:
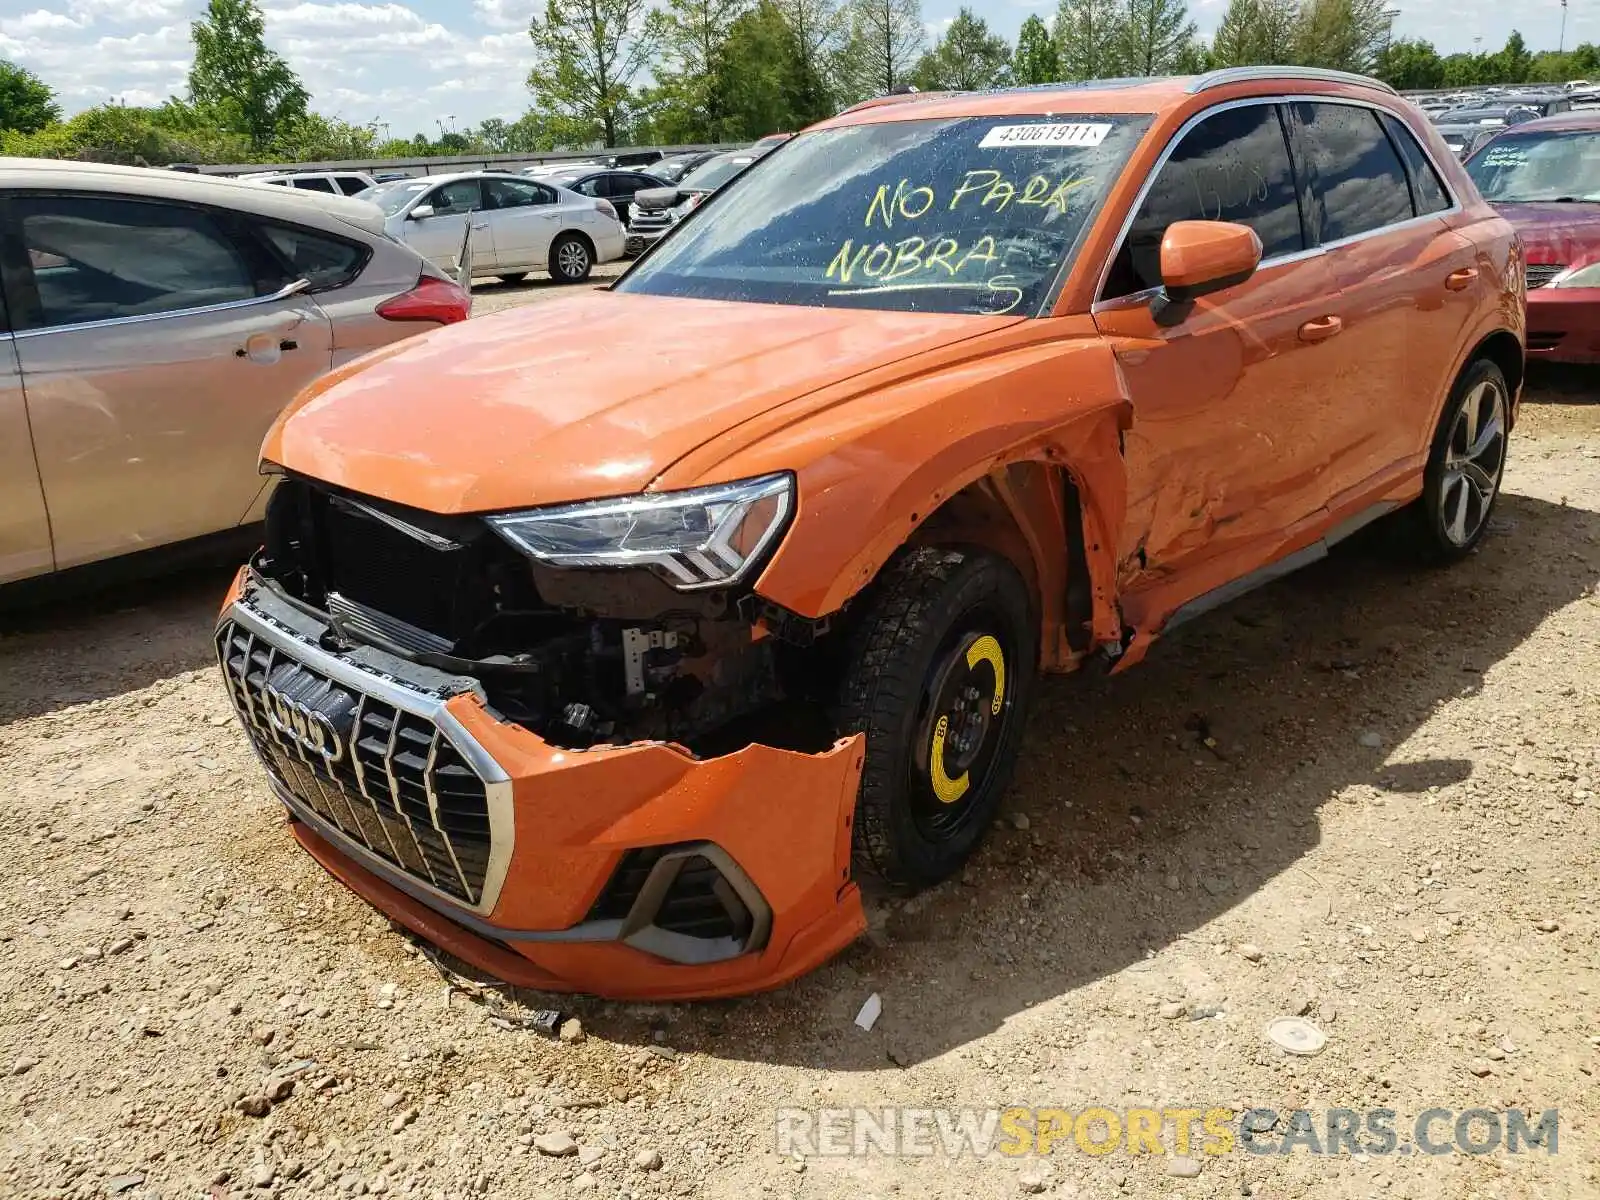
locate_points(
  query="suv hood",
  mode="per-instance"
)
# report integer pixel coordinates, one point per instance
(588, 397)
(1556, 233)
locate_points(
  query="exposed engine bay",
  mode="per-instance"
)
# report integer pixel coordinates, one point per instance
(581, 656)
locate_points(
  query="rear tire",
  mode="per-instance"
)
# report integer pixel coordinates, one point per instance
(514, 278)
(571, 259)
(1465, 466)
(938, 677)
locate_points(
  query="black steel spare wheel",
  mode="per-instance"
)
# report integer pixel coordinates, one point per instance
(939, 676)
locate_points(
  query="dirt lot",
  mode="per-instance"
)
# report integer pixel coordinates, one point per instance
(1366, 793)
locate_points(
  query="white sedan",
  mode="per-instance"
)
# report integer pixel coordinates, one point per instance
(517, 224)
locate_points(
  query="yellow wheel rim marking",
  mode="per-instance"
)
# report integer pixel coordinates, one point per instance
(948, 790)
(985, 649)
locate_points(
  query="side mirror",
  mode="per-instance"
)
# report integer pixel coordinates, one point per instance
(421, 212)
(1201, 257)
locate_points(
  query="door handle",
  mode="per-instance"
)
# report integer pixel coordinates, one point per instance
(1321, 329)
(1459, 281)
(485, 225)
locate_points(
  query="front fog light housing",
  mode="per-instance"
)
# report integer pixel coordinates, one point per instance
(704, 538)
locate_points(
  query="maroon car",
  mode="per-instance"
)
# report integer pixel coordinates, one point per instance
(1544, 176)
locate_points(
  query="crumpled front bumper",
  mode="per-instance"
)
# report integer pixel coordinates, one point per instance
(772, 824)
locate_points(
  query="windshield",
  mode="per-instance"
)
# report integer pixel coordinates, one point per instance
(392, 197)
(969, 215)
(1522, 167)
(708, 177)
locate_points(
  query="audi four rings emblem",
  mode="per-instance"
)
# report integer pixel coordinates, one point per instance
(312, 730)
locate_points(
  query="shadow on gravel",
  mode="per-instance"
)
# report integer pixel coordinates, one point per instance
(76, 647)
(1204, 768)
(1560, 383)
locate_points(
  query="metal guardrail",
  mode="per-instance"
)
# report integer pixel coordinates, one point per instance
(449, 164)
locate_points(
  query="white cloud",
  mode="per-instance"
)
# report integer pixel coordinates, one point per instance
(40, 21)
(126, 12)
(506, 14)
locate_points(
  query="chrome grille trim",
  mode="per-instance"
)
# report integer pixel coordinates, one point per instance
(283, 634)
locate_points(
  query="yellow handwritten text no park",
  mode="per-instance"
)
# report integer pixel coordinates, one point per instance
(994, 191)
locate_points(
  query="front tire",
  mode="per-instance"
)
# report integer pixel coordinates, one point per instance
(938, 677)
(571, 260)
(1466, 464)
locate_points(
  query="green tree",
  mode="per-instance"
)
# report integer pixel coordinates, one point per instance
(1254, 32)
(316, 138)
(236, 79)
(969, 57)
(821, 30)
(1346, 35)
(1514, 63)
(26, 102)
(1036, 60)
(587, 54)
(1089, 38)
(886, 40)
(759, 75)
(139, 137)
(1155, 35)
(1467, 70)
(1411, 64)
(690, 98)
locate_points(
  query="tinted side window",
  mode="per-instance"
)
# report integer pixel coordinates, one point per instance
(314, 185)
(590, 186)
(99, 258)
(461, 196)
(321, 260)
(1358, 183)
(1233, 166)
(351, 184)
(1427, 189)
(513, 193)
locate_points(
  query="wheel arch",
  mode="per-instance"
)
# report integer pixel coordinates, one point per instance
(1504, 350)
(573, 231)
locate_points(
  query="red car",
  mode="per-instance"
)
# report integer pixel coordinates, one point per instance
(1544, 176)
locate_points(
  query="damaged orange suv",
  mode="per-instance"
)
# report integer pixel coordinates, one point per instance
(610, 643)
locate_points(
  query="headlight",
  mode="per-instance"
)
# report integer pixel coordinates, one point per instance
(1586, 276)
(704, 538)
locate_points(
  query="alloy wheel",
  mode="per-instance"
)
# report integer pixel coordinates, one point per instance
(1474, 462)
(573, 260)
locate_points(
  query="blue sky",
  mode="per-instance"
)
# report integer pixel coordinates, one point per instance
(421, 64)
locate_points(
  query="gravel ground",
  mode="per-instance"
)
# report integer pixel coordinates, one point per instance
(1365, 793)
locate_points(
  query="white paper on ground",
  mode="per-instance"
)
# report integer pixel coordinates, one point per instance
(870, 1011)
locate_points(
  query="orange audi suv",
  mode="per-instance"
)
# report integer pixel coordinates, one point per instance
(612, 644)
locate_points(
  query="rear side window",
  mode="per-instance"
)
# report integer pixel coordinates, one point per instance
(320, 259)
(1232, 166)
(315, 185)
(99, 258)
(1358, 183)
(351, 184)
(1427, 189)
(514, 193)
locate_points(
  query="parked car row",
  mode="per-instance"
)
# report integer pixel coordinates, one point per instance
(612, 644)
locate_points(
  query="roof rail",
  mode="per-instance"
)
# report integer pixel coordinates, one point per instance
(896, 98)
(1227, 75)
